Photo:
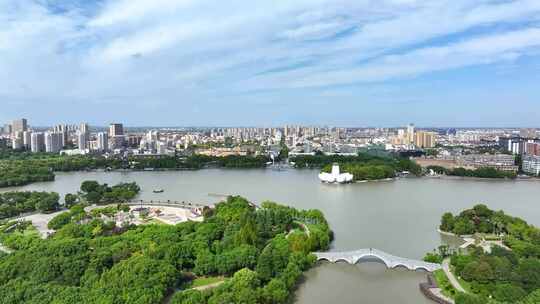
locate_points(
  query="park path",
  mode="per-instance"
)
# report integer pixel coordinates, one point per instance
(204, 287)
(5, 249)
(450, 275)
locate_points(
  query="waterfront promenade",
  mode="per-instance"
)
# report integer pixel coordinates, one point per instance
(167, 203)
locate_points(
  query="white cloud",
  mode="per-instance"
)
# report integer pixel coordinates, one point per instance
(476, 51)
(129, 11)
(168, 48)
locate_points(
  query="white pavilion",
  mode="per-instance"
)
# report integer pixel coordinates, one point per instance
(335, 176)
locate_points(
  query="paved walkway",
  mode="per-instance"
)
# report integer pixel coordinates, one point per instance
(450, 275)
(5, 249)
(40, 221)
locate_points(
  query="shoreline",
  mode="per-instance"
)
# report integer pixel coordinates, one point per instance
(463, 237)
(390, 179)
(439, 177)
(472, 178)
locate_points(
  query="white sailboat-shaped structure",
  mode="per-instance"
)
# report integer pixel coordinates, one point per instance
(335, 176)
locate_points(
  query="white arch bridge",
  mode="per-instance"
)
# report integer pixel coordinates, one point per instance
(372, 254)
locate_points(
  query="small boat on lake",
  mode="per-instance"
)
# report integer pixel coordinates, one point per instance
(158, 190)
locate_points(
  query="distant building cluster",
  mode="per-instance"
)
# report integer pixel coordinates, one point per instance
(449, 147)
(410, 138)
(527, 145)
(502, 162)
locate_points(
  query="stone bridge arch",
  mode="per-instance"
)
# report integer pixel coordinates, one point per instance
(372, 258)
(371, 254)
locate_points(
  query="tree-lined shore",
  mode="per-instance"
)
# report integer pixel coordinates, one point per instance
(88, 260)
(503, 266)
(18, 168)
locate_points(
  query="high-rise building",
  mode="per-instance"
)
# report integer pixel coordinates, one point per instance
(116, 129)
(161, 147)
(17, 141)
(82, 140)
(410, 133)
(27, 139)
(60, 128)
(7, 129)
(532, 148)
(19, 125)
(516, 145)
(37, 142)
(64, 130)
(116, 136)
(53, 142)
(102, 141)
(83, 127)
(424, 139)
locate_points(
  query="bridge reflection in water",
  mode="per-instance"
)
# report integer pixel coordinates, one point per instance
(371, 254)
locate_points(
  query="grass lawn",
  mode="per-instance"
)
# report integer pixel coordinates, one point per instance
(444, 284)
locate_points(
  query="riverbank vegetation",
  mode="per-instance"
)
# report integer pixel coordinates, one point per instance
(362, 166)
(479, 173)
(444, 284)
(20, 175)
(481, 219)
(248, 246)
(509, 274)
(19, 168)
(14, 203)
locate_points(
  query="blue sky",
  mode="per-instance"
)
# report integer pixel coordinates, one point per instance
(267, 63)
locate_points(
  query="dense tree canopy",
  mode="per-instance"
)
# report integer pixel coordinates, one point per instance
(480, 172)
(95, 193)
(504, 275)
(14, 203)
(20, 167)
(88, 260)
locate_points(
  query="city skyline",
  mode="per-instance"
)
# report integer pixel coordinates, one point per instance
(343, 63)
(106, 126)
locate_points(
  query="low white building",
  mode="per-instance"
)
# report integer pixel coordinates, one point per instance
(335, 176)
(531, 164)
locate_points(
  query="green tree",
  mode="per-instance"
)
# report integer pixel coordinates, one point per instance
(70, 199)
(90, 186)
(93, 197)
(462, 298)
(59, 221)
(275, 292)
(447, 222)
(529, 272)
(463, 226)
(508, 293)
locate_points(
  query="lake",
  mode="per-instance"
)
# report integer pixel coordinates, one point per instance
(399, 217)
